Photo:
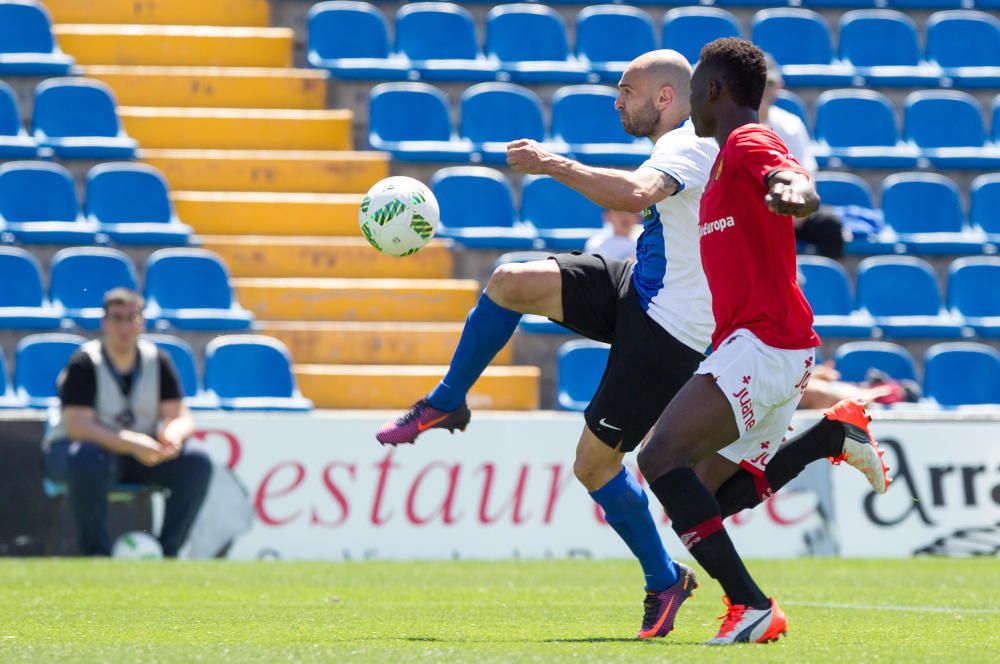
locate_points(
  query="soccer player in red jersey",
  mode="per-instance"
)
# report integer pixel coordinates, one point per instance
(740, 401)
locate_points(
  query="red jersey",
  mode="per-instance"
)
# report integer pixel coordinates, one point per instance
(747, 251)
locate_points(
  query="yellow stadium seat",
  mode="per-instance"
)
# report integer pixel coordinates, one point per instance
(162, 12)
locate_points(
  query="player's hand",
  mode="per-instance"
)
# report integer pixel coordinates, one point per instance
(786, 200)
(168, 437)
(145, 449)
(526, 156)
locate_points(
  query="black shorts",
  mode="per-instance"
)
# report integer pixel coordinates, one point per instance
(646, 367)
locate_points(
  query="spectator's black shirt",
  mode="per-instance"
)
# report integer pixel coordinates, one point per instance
(79, 385)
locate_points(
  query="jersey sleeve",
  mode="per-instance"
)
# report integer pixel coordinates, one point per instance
(761, 153)
(77, 384)
(684, 157)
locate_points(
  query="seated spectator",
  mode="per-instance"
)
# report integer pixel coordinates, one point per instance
(825, 389)
(618, 237)
(123, 420)
(822, 229)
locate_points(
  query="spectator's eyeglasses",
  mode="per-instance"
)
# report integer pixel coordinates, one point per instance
(123, 318)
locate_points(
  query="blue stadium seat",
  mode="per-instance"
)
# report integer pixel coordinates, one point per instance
(947, 126)
(687, 29)
(351, 41)
(23, 305)
(985, 201)
(585, 121)
(38, 204)
(902, 293)
(974, 293)
(608, 37)
(183, 358)
(962, 374)
(131, 204)
(882, 46)
(189, 289)
(925, 211)
(563, 218)
(995, 122)
(7, 397)
(858, 128)
(38, 360)
(791, 102)
(477, 209)
(854, 359)
(252, 372)
(77, 118)
(531, 45)
(79, 278)
(843, 189)
(933, 4)
(15, 142)
(799, 40)
(494, 114)
(411, 121)
(966, 44)
(27, 45)
(828, 290)
(850, 197)
(580, 367)
(439, 38)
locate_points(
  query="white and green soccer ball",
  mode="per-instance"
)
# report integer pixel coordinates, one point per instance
(137, 545)
(399, 215)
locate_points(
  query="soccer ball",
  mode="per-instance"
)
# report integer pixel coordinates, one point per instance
(398, 216)
(137, 545)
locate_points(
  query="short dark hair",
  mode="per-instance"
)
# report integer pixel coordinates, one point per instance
(122, 295)
(743, 68)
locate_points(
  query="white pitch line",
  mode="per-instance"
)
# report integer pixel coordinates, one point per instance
(890, 607)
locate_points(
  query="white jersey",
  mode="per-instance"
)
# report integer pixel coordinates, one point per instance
(668, 275)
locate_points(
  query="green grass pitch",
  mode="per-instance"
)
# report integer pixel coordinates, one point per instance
(945, 610)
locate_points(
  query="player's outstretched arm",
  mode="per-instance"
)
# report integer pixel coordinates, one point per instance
(791, 193)
(628, 191)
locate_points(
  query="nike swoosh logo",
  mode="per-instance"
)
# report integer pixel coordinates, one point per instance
(663, 617)
(604, 424)
(422, 426)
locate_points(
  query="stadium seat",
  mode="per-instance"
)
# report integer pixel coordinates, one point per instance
(251, 372)
(15, 142)
(843, 189)
(131, 204)
(850, 197)
(580, 366)
(531, 45)
(586, 123)
(77, 118)
(799, 40)
(23, 305)
(494, 114)
(902, 293)
(189, 289)
(854, 359)
(984, 194)
(351, 41)
(947, 126)
(858, 128)
(79, 278)
(477, 209)
(687, 29)
(882, 46)
(828, 290)
(7, 397)
(791, 102)
(966, 44)
(608, 37)
(411, 121)
(38, 360)
(925, 211)
(183, 358)
(974, 293)
(563, 218)
(38, 204)
(27, 46)
(439, 39)
(962, 374)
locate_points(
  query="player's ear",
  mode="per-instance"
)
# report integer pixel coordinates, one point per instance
(714, 88)
(665, 96)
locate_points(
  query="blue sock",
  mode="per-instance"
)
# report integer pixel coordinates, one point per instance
(487, 330)
(627, 511)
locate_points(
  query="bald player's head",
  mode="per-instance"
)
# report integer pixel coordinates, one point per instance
(653, 94)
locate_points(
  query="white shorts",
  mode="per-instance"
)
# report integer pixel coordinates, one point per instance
(763, 385)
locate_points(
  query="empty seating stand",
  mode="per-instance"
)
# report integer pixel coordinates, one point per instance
(925, 212)
(411, 120)
(882, 46)
(580, 365)
(563, 218)
(800, 41)
(828, 290)
(586, 125)
(477, 209)
(23, 305)
(494, 114)
(962, 374)
(27, 46)
(77, 118)
(38, 360)
(189, 289)
(131, 204)
(966, 45)
(901, 292)
(79, 278)
(854, 359)
(687, 29)
(183, 359)
(608, 37)
(15, 142)
(7, 397)
(974, 293)
(858, 129)
(38, 204)
(531, 45)
(250, 372)
(351, 41)
(439, 40)
(948, 127)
